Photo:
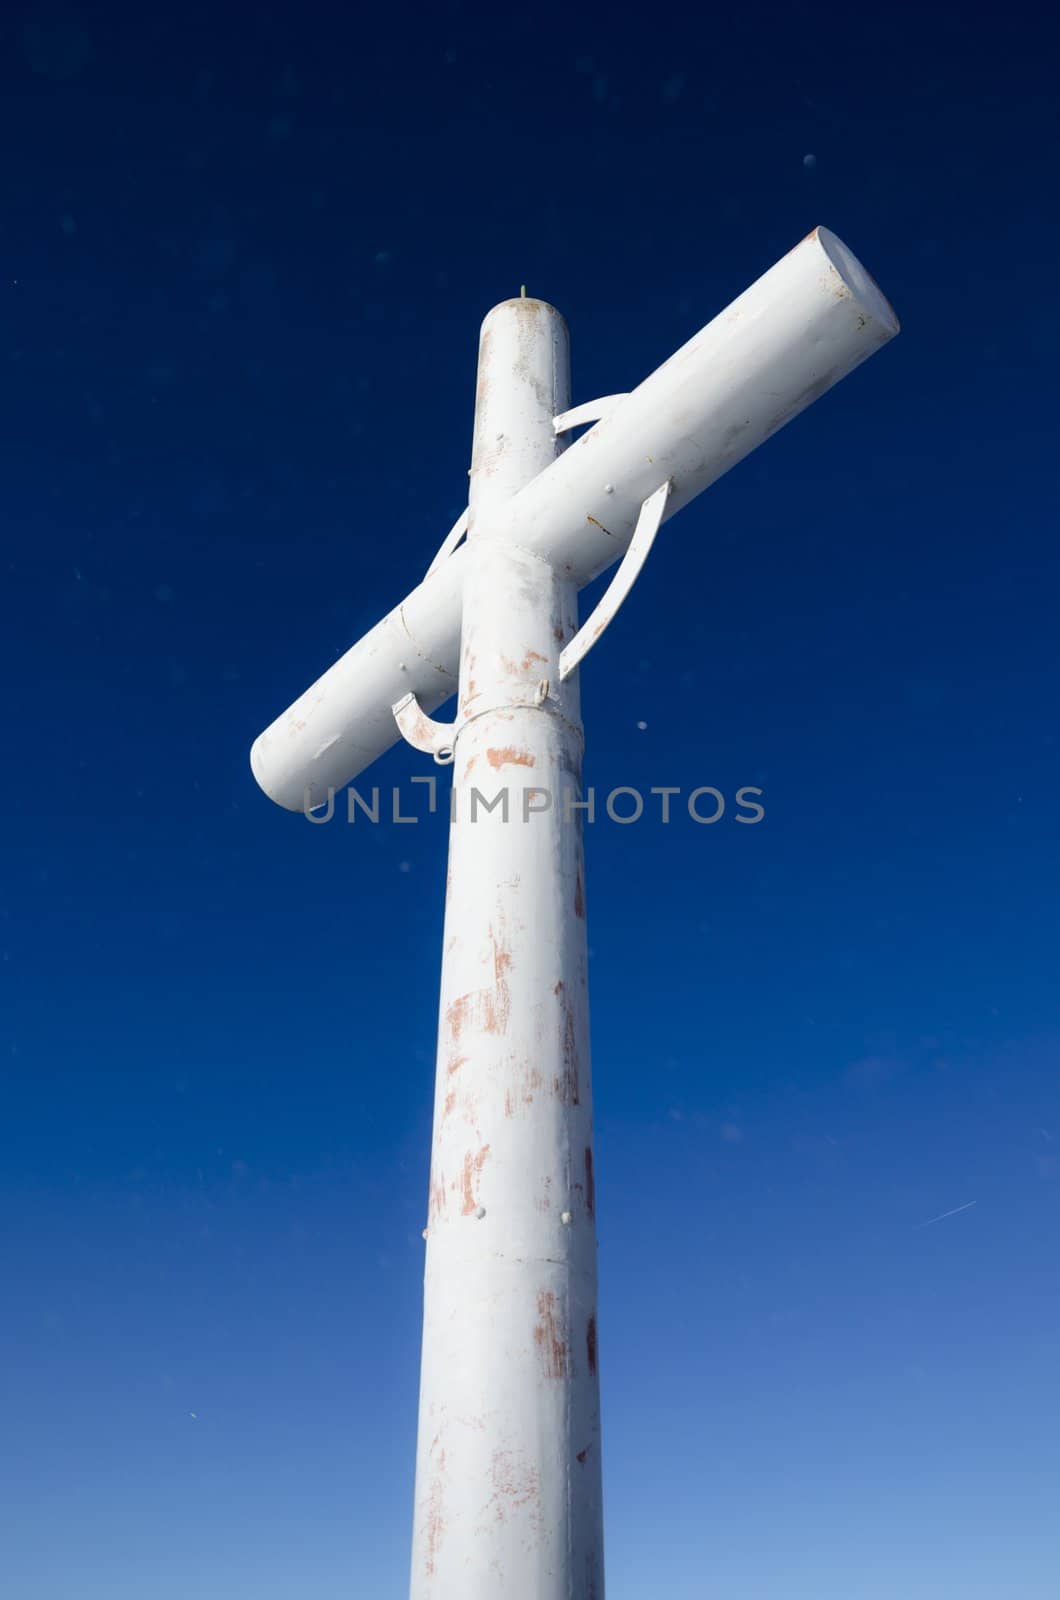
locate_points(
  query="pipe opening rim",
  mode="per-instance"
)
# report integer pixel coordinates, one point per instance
(860, 282)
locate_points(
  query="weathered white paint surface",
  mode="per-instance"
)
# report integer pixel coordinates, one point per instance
(508, 1484)
(810, 320)
(508, 1489)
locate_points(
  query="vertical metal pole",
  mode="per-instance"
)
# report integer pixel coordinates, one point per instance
(508, 1483)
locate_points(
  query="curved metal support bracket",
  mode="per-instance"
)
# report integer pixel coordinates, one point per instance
(591, 411)
(651, 515)
(422, 732)
(450, 542)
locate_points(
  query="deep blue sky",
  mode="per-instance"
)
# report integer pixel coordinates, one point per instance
(245, 254)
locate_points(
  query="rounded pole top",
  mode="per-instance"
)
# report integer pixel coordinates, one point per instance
(525, 308)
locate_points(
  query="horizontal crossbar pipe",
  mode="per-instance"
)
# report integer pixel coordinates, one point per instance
(804, 325)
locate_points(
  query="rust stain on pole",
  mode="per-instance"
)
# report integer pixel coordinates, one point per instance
(549, 1337)
(510, 756)
(473, 1165)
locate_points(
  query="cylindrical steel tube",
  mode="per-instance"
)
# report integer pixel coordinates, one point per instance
(508, 1483)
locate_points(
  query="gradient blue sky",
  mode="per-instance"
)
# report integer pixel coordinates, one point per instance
(245, 256)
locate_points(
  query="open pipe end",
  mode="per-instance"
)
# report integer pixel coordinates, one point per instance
(861, 284)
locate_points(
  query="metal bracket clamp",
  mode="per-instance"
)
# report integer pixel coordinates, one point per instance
(450, 542)
(439, 738)
(648, 523)
(591, 411)
(422, 732)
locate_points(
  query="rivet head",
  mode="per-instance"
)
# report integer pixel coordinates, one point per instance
(566, 1217)
(480, 1212)
(426, 1231)
(609, 488)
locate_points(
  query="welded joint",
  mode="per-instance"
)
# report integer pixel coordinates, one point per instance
(534, 701)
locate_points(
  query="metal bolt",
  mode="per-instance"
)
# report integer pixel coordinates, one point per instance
(566, 1217)
(609, 488)
(425, 1232)
(480, 1212)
